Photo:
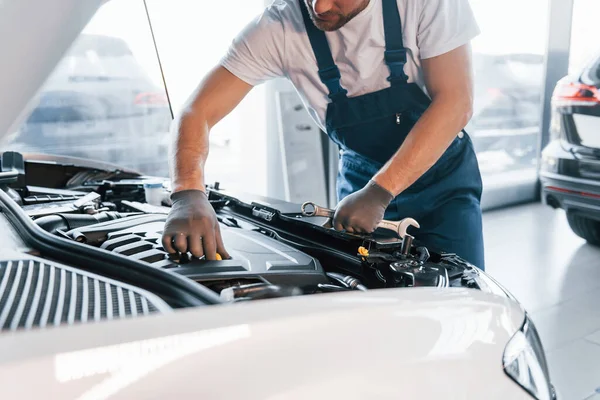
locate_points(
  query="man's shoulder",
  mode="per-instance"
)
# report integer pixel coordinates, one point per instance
(285, 11)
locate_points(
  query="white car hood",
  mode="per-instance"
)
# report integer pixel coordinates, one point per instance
(34, 35)
(398, 343)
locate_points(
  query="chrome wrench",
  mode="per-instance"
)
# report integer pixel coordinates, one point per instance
(310, 209)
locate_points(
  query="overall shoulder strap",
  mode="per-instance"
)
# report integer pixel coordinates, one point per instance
(395, 53)
(328, 71)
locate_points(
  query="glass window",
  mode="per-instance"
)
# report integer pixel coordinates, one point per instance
(508, 60)
(585, 45)
(192, 37)
(105, 100)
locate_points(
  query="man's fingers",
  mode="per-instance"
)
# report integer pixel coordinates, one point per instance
(220, 246)
(359, 230)
(181, 242)
(337, 225)
(195, 245)
(210, 247)
(167, 245)
(339, 222)
(358, 227)
(350, 225)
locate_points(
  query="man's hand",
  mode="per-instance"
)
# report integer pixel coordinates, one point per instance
(192, 226)
(362, 211)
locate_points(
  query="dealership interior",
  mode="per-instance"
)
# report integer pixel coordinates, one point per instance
(535, 129)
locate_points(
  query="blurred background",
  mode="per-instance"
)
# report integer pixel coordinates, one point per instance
(107, 99)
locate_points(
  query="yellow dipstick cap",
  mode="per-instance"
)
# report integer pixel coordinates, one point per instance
(219, 258)
(362, 251)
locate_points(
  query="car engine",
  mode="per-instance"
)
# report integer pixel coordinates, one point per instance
(275, 250)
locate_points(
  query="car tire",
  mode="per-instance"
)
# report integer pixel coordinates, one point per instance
(585, 228)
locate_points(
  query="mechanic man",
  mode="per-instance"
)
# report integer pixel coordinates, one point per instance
(362, 68)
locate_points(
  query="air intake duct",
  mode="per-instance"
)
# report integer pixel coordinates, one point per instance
(66, 222)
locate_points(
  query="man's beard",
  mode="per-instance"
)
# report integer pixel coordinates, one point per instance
(333, 20)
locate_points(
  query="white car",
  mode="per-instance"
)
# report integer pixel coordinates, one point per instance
(92, 307)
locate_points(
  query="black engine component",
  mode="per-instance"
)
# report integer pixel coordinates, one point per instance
(98, 233)
(65, 222)
(262, 257)
(413, 273)
(12, 169)
(275, 250)
(89, 203)
(255, 256)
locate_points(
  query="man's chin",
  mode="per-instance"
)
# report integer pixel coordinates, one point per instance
(328, 26)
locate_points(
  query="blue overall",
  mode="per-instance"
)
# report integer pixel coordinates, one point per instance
(370, 128)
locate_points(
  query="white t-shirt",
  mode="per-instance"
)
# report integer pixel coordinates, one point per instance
(275, 44)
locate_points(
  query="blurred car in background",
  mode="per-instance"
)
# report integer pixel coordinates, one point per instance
(100, 103)
(506, 116)
(570, 169)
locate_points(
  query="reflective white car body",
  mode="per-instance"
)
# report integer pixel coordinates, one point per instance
(393, 343)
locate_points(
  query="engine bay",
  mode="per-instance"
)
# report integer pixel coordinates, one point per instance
(275, 250)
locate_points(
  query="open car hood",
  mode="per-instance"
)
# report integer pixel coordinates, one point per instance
(34, 35)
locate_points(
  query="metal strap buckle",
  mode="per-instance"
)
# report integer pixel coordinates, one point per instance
(395, 56)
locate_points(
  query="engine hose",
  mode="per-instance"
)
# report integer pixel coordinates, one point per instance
(97, 233)
(66, 222)
(347, 281)
(326, 288)
(257, 291)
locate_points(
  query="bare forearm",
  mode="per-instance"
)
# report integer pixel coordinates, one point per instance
(425, 144)
(189, 152)
(218, 93)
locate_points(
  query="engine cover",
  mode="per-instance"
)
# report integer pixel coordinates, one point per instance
(254, 255)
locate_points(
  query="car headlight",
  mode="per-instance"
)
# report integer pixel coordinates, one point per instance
(525, 362)
(549, 163)
(555, 124)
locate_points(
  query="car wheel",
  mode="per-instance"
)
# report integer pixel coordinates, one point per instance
(585, 228)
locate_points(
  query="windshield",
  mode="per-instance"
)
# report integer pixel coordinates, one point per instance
(105, 100)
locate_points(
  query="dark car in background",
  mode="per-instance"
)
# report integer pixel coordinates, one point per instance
(570, 168)
(100, 103)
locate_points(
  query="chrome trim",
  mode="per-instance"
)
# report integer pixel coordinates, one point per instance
(49, 293)
(581, 205)
(108, 297)
(73, 302)
(61, 297)
(11, 295)
(24, 296)
(84, 301)
(132, 306)
(36, 297)
(559, 177)
(96, 300)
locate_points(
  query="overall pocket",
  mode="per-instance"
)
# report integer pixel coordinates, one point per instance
(376, 139)
(354, 172)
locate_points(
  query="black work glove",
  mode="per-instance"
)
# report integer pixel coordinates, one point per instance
(362, 211)
(192, 226)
